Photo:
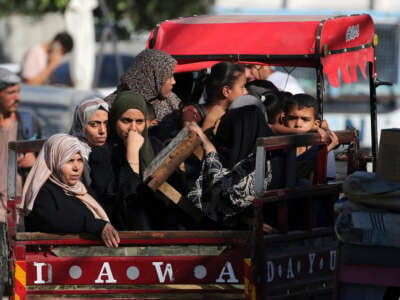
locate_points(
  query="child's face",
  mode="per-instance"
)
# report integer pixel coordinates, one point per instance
(301, 118)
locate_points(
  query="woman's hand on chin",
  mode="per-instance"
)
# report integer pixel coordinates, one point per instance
(110, 236)
(134, 141)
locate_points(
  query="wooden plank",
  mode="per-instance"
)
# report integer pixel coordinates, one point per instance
(139, 291)
(132, 235)
(297, 140)
(169, 159)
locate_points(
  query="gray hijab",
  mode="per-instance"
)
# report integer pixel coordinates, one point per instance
(83, 112)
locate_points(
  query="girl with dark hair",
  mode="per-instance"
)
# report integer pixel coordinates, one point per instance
(225, 83)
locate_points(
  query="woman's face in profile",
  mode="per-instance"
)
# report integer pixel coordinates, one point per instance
(132, 119)
(71, 171)
(166, 89)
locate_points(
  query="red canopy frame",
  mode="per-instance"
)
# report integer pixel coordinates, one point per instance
(340, 44)
(334, 45)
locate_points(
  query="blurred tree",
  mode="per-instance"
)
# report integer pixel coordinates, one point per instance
(31, 7)
(144, 14)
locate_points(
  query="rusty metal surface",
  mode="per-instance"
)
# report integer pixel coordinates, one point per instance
(297, 140)
(157, 236)
(301, 192)
(26, 146)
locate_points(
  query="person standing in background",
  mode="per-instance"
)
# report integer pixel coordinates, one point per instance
(283, 81)
(40, 61)
(13, 125)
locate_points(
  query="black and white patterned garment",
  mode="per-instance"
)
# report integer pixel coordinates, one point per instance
(221, 193)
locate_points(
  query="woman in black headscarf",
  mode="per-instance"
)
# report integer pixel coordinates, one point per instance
(237, 133)
(225, 188)
(132, 152)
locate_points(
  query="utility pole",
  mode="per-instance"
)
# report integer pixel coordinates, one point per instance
(285, 2)
(108, 33)
(371, 5)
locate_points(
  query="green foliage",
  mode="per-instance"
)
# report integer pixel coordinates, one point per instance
(144, 14)
(31, 7)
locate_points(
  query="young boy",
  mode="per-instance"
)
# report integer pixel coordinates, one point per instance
(302, 112)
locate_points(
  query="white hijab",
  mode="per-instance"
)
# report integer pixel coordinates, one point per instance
(56, 151)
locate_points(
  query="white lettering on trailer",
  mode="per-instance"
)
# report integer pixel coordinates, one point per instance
(167, 271)
(227, 269)
(332, 260)
(352, 32)
(292, 268)
(105, 271)
(270, 271)
(39, 273)
(290, 274)
(311, 258)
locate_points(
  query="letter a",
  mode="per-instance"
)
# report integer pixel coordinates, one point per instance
(227, 270)
(168, 270)
(105, 271)
(290, 274)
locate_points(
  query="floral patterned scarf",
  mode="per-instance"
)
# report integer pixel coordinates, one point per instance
(146, 76)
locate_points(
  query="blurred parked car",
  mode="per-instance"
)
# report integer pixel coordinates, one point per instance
(54, 106)
(108, 77)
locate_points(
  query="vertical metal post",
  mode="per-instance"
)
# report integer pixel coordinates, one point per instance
(371, 5)
(320, 90)
(108, 32)
(260, 170)
(372, 104)
(12, 174)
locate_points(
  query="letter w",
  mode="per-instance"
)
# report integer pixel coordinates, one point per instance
(162, 275)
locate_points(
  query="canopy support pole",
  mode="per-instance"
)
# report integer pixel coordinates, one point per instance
(320, 90)
(372, 104)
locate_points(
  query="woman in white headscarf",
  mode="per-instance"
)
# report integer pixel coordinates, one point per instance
(54, 198)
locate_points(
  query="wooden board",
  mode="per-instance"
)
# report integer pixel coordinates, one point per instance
(168, 160)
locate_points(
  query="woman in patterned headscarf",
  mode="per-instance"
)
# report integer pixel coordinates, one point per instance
(54, 198)
(151, 75)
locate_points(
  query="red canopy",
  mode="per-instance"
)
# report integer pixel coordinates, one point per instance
(338, 43)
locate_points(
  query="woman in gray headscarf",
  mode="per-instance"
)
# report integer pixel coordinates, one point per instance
(151, 75)
(90, 122)
(90, 126)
